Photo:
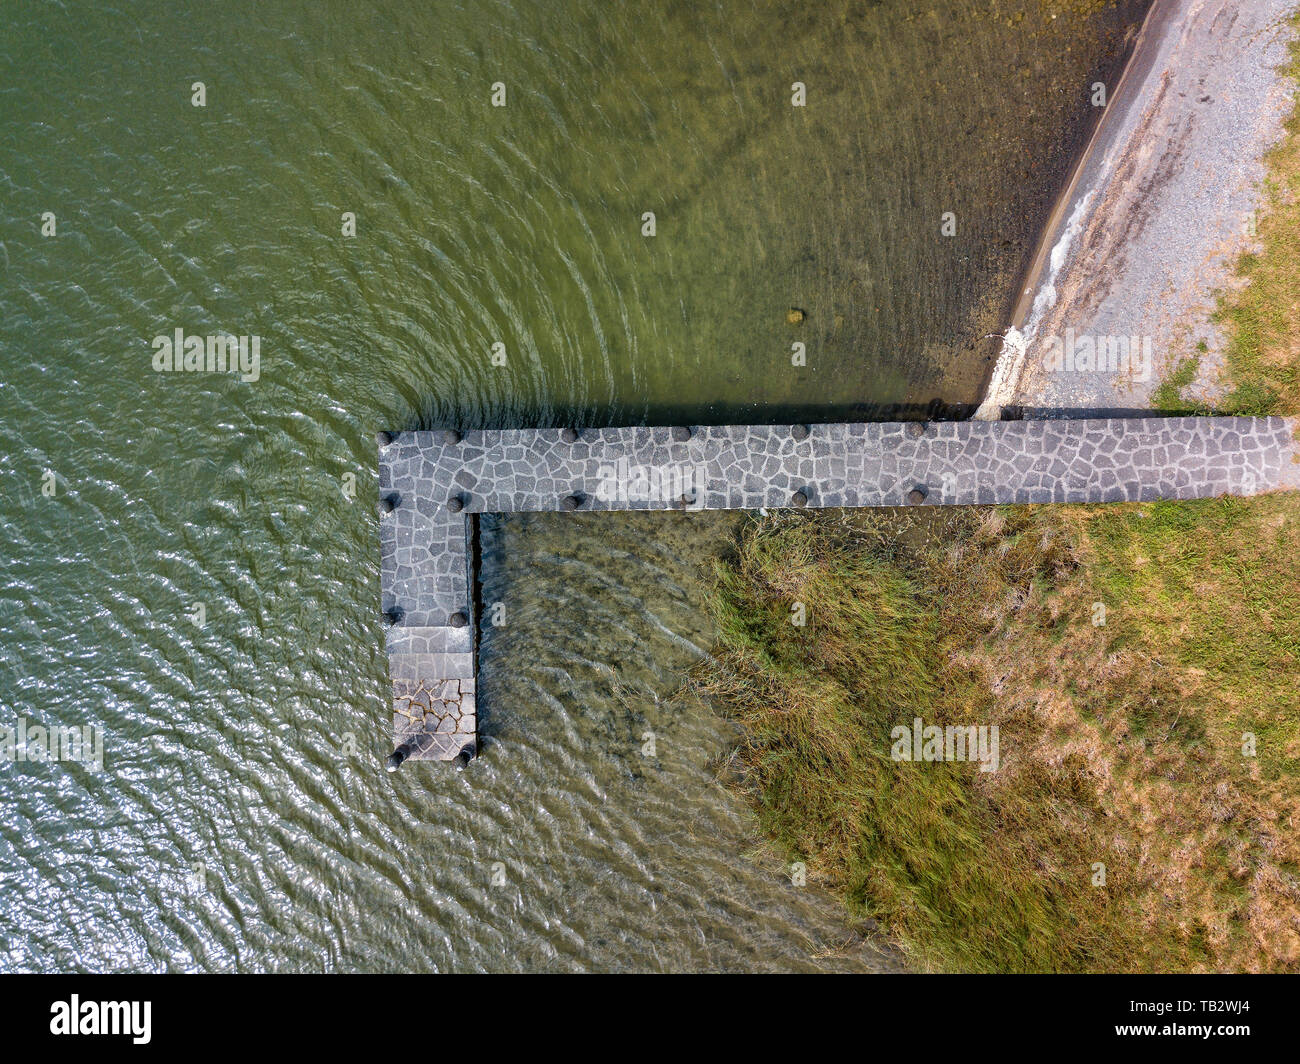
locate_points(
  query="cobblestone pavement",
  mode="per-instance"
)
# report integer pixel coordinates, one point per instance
(431, 483)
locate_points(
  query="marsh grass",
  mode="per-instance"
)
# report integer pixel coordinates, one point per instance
(1120, 743)
(969, 873)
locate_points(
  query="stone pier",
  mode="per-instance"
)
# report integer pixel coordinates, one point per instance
(433, 484)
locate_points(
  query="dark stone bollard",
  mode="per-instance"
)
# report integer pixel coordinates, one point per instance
(799, 499)
(393, 617)
(916, 429)
(917, 495)
(451, 436)
(399, 755)
(458, 619)
(571, 502)
(455, 504)
(799, 432)
(384, 438)
(386, 505)
(681, 433)
(569, 435)
(466, 755)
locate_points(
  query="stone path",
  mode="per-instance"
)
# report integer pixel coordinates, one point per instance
(433, 483)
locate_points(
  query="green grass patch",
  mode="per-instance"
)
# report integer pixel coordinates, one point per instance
(1168, 397)
(1213, 584)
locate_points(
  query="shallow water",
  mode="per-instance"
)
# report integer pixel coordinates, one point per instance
(242, 820)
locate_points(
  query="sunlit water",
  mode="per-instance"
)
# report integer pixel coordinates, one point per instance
(242, 819)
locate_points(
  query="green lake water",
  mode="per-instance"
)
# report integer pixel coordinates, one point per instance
(242, 820)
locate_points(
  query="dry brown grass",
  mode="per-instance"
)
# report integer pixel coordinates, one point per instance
(1122, 743)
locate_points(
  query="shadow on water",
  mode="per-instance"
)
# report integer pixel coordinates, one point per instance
(739, 414)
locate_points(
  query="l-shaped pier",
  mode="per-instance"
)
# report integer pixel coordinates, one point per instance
(434, 484)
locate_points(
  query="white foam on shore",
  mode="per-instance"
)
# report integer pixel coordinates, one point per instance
(1006, 375)
(1010, 365)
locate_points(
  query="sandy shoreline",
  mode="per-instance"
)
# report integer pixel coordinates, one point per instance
(1154, 217)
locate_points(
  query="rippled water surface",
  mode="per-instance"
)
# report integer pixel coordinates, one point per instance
(242, 820)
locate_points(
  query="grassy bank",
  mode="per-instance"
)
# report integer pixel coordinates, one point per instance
(1262, 317)
(1121, 743)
